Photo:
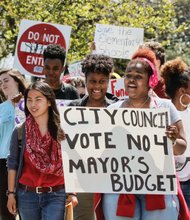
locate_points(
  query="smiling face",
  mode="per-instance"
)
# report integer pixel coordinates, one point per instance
(37, 104)
(53, 69)
(8, 85)
(136, 80)
(97, 85)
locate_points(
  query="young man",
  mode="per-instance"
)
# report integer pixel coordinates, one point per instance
(54, 59)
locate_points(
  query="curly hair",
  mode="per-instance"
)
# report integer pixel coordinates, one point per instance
(138, 58)
(157, 48)
(97, 63)
(55, 51)
(54, 126)
(176, 74)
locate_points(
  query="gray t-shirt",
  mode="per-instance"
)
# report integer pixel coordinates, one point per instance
(157, 103)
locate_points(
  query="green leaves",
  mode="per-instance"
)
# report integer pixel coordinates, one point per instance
(160, 19)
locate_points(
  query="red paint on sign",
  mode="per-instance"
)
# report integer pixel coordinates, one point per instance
(32, 43)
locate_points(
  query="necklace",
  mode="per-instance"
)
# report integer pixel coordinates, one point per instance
(142, 105)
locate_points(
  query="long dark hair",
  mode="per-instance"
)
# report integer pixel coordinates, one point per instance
(54, 118)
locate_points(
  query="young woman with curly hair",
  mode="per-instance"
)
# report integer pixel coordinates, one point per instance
(176, 75)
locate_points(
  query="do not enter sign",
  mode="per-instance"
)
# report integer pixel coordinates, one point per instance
(32, 40)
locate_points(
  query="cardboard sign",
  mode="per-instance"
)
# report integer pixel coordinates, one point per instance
(117, 41)
(117, 151)
(116, 87)
(33, 38)
(75, 69)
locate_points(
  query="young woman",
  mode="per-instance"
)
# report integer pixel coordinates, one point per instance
(12, 86)
(35, 176)
(139, 78)
(176, 75)
(97, 70)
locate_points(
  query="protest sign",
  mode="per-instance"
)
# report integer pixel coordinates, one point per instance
(117, 88)
(117, 151)
(117, 41)
(33, 38)
(75, 69)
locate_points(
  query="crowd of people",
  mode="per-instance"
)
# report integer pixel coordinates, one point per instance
(31, 176)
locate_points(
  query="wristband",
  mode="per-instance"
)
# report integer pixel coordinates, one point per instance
(10, 192)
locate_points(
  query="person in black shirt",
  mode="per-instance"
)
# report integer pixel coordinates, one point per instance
(54, 59)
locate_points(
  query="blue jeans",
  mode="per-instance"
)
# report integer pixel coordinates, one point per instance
(45, 206)
(171, 211)
(185, 187)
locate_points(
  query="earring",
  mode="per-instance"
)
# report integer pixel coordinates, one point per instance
(180, 100)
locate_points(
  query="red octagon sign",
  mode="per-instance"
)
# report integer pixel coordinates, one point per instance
(32, 43)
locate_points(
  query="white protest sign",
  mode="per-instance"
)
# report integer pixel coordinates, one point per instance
(117, 151)
(117, 41)
(75, 69)
(116, 87)
(33, 38)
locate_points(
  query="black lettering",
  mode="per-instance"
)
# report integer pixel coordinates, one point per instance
(97, 121)
(163, 122)
(146, 143)
(171, 178)
(77, 166)
(131, 183)
(92, 165)
(139, 182)
(108, 139)
(72, 143)
(131, 139)
(104, 164)
(145, 171)
(147, 186)
(96, 142)
(123, 117)
(164, 143)
(114, 165)
(160, 183)
(116, 184)
(66, 117)
(124, 163)
(82, 116)
(84, 141)
(112, 115)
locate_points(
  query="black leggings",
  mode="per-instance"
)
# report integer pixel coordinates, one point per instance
(4, 213)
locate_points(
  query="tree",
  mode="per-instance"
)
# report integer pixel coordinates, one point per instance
(180, 41)
(155, 17)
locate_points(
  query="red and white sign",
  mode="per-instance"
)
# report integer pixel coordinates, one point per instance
(33, 38)
(117, 88)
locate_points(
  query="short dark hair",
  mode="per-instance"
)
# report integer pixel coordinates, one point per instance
(157, 48)
(55, 51)
(97, 63)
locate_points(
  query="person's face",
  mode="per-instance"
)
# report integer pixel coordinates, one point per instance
(136, 81)
(37, 104)
(8, 85)
(53, 69)
(97, 85)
